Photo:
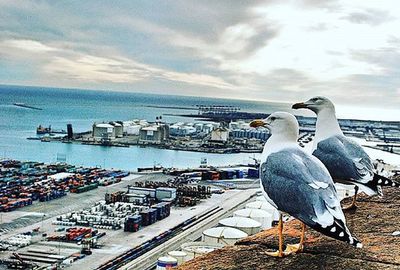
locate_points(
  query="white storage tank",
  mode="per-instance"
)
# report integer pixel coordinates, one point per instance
(178, 255)
(223, 235)
(266, 206)
(166, 262)
(133, 129)
(196, 249)
(247, 225)
(262, 216)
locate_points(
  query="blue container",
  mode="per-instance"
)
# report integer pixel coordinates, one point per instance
(230, 174)
(253, 173)
(239, 174)
(152, 216)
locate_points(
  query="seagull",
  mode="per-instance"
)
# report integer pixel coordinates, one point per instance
(297, 183)
(346, 160)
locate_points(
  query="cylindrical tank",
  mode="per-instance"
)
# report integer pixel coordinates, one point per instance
(179, 255)
(262, 216)
(247, 225)
(223, 235)
(196, 249)
(166, 262)
(266, 206)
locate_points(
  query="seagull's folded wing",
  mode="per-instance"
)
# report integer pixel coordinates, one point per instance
(300, 185)
(345, 159)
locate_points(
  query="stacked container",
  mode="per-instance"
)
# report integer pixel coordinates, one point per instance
(133, 223)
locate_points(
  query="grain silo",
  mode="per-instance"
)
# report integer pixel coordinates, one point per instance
(223, 235)
(266, 206)
(178, 255)
(196, 249)
(166, 262)
(247, 225)
(262, 216)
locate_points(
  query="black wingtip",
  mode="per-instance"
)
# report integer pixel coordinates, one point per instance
(382, 181)
(339, 231)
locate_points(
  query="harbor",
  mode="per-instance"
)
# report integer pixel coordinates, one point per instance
(222, 130)
(52, 231)
(135, 219)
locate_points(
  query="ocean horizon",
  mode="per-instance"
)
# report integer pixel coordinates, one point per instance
(82, 108)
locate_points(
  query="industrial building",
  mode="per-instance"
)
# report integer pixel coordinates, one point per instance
(103, 131)
(133, 127)
(156, 133)
(118, 129)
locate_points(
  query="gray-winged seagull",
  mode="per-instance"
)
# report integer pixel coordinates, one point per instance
(345, 159)
(299, 184)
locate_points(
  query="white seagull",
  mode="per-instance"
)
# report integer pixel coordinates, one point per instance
(297, 183)
(345, 159)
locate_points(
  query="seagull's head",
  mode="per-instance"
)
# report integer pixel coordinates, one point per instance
(315, 104)
(279, 122)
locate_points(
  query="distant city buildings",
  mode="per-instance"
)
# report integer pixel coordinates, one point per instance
(160, 132)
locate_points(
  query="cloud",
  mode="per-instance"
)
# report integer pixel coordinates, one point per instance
(264, 50)
(28, 45)
(90, 68)
(369, 16)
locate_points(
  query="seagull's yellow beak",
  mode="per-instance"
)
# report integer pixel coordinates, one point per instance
(257, 123)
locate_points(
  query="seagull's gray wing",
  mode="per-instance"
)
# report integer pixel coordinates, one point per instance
(345, 159)
(300, 185)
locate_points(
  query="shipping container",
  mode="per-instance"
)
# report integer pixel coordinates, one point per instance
(253, 173)
(165, 193)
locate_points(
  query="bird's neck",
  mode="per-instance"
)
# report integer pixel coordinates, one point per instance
(278, 142)
(327, 125)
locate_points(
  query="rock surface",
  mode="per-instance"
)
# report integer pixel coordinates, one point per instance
(374, 222)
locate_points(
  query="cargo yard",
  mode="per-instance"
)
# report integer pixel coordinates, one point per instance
(91, 216)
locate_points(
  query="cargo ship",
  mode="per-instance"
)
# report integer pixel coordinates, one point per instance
(23, 105)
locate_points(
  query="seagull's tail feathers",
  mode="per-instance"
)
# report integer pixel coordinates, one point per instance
(338, 230)
(379, 181)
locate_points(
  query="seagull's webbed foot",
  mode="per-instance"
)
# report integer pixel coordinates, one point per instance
(297, 248)
(353, 206)
(276, 253)
(293, 248)
(290, 248)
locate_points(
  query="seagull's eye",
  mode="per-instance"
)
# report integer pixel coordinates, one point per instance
(273, 118)
(314, 99)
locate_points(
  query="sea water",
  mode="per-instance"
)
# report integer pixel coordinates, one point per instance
(82, 108)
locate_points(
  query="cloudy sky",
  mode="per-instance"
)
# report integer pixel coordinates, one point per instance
(261, 50)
